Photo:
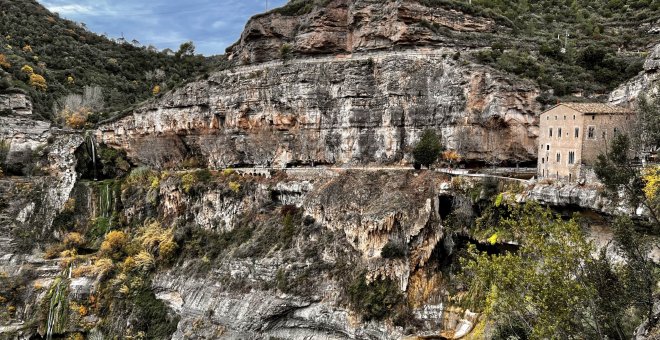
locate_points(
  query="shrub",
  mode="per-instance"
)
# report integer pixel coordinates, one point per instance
(4, 63)
(285, 51)
(145, 260)
(27, 69)
(188, 180)
(157, 241)
(374, 300)
(393, 250)
(38, 82)
(73, 240)
(428, 149)
(234, 186)
(114, 244)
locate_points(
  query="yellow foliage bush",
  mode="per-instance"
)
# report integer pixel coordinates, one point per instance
(100, 268)
(145, 260)
(451, 156)
(114, 244)
(652, 182)
(188, 180)
(228, 172)
(129, 264)
(4, 63)
(81, 309)
(156, 90)
(234, 186)
(27, 49)
(70, 205)
(69, 253)
(27, 69)
(73, 240)
(157, 241)
(75, 119)
(38, 82)
(75, 336)
(70, 80)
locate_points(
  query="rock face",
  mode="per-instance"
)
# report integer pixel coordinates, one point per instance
(350, 98)
(351, 26)
(645, 83)
(17, 103)
(362, 109)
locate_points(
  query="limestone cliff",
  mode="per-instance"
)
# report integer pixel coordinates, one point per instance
(367, 108)
(348, 97)
(351, 26)
(645, 83)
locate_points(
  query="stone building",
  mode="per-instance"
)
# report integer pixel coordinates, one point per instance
(572, 135)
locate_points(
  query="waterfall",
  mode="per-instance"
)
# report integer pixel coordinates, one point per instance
(106, 197)
(57, 310)
(93, 147)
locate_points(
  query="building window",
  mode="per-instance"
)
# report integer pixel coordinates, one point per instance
(604, 134)
(573, 117)
(559, 133)
(548, 147)
(558, 157)
(593, 117)
(571, 157)
(550, 132)
(616, 131)
(591, 132)
(555, 117)
(564, 117)
(577, 132)
(543, 160)
(547, 118)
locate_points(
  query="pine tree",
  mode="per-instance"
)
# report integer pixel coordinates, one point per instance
(428, 149)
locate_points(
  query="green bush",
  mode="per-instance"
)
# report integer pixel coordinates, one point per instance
(428, 149)
(375, 300)
(393, 250)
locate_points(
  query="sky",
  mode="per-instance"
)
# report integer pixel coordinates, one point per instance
(212, 25)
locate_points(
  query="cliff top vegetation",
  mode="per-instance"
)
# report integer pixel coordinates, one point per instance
(49, 58)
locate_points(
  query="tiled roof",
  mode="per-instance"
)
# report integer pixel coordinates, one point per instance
(598, 108)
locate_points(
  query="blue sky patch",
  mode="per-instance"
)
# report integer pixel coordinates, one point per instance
(211, 24)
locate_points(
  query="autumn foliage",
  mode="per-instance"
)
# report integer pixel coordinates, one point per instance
(4, 63)
(38, 82)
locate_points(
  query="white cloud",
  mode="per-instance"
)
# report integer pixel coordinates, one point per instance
(70, 9)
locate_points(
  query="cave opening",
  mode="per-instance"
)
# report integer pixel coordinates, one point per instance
(445, 206)
(98, 162)
(447, 254)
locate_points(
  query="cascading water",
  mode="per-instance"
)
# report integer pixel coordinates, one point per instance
(93, 144)
(57, 311)
(91, 148)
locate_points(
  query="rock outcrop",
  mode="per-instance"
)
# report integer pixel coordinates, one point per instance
(356, 110)
(352, 26)
(347, 98)
(646, 83)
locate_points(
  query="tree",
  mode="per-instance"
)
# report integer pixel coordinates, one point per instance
(646, 136)
(38, 82)
(614, 169)
(542, 288)
(4, 63)
(74, 110)
(640, 188)
(186, 49)
(27, 69)
(428, 149)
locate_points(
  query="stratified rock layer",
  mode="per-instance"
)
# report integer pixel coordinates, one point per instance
(349, 26)
(362, 109)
